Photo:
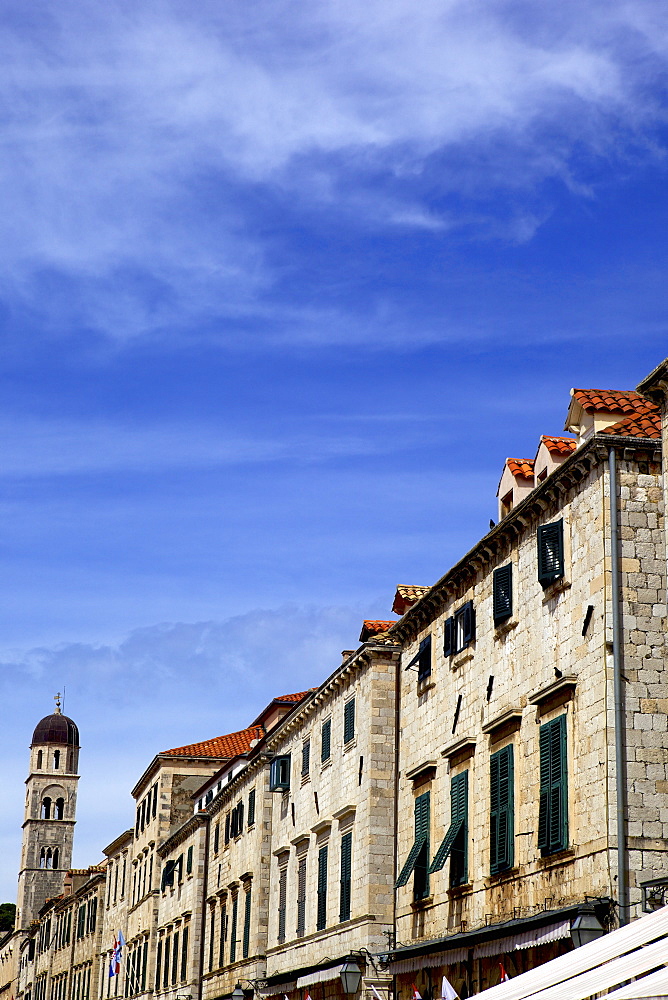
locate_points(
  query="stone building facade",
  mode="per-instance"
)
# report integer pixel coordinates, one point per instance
(443, 804)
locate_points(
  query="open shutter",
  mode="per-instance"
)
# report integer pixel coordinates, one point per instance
(448, 637)
(550, 552)
(469, 623)
(458, 813)
(424, 659)
(422, 826)
(503, 593)
(421, 831)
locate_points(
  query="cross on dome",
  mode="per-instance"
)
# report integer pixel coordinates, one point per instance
(57, 698)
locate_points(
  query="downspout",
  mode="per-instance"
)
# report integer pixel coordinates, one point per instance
(205, 884)
(620, 720)
(397, 710)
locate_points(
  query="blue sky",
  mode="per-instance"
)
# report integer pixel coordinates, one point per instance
(282, 285)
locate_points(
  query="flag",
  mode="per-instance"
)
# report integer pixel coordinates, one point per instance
(504, 975)
(376, 993)
(307, 997)
(416, 994)
(116, 955)
(448, 992)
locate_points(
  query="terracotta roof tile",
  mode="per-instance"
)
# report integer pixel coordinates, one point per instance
(221, 746)
(645, 425)
(294, 698)
(371, 628)
(559, 445)
(521, 467)
(613, 401)
(406, 596)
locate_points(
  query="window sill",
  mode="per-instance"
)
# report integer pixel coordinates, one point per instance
(455, 891)
(425, 685)
(508, 874)
(305, 779)
(503, 628)
(422, 904)
(558, 858)
(350, 745)
(554, 589)
(460, 660)
(325, 764)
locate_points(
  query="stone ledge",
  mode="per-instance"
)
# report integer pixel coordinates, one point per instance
(563, 686)
(505, 627)
(507, 722)
(556, 588)
(464, 747)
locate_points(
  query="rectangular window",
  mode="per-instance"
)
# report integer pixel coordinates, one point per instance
(448, 642)
(306, 758)
(501, 825)
(227, 829)
(233, 937)
(247, 924)
(212, 935)
(553, 813)
(418, 857)
(189, 860)
(455, 843)
(155, 800)
(322, 888)
(175, 958)
(184, 954)
(301, 898)
(502, 593)
(216, 838)
(144, 965)
(464, 627)
(326, 741)
(165, 971)
(349, 721)
(251, 807)
(346, 876)
(223, 931)
(550, 552)
(423, 659)
(279, 774)
(282, 901)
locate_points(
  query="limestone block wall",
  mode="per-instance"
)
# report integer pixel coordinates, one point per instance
(349, 792)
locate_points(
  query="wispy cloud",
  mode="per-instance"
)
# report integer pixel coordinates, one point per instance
(138, 140)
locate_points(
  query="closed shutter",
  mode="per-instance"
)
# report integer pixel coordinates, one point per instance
(349, 721)
(550, 552)
(165, 971)
(251, 807)
(448, 638)
(216, 838)
(322, 888)
(346, 876)
(189, 861)
(468, 612)
(175, 958)
(306, 758)
(184, 951)
(326, 742)
(247, 924)
(553, 809)
(301, 898)
(212, 936)
(282, 901)
(502, 586)
(223, 932)
(233, 935)
(502, 836)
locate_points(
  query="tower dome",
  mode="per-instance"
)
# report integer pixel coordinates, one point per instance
(56, 728)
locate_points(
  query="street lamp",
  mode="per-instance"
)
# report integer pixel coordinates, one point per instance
(351, 977)
(586, 927)
(238, 993)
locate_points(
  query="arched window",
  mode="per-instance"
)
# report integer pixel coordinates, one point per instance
(56, 854)
(46, 807)
(56, 759)
(49, 858)
(42, 858)
(39, 760)
(60, 809)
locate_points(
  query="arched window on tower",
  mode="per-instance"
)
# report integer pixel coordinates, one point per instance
(42, 858)
(70, 760)
(56, 854)
(46, 808)
(49, 858)
(56, 759)
(60, 809)
(39, 760)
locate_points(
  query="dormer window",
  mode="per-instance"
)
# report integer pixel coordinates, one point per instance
(507, 503)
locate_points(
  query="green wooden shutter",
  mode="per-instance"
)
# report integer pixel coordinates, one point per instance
(468, 612)
(282, 901)
(346, 876)
(418, 843)
(326, 742)
(502, 587)
(306, 758)
(424, 659)
(550, 552)
(349, 721)
(322, 888)
(233, 938)
(422, 828)
(184, 951)
(251, 807)
(221, 938)
(502, 835)
(448, 637)
(189, 861)
(247, 924)
(456, 836)
(553, 813)
(301, 898)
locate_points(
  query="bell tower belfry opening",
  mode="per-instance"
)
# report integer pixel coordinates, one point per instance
(50, 809)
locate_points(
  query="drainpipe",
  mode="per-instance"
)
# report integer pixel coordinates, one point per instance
(620, 720)
(205, 893)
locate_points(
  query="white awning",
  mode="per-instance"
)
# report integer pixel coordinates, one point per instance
(321, 976)
(405, 965)
(556, 979)
(272, 991)
(654, 985)
(527, 939)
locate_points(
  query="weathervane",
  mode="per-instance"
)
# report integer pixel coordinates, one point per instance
(57, 698)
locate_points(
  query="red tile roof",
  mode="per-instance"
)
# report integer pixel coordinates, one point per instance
(406, 596)
(371, 628)
(221, 746)
(559, 445)
(613, 401)
(521, 467)
(644, 425)
(293, 698)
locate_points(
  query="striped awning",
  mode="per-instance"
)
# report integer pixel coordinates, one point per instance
(405, 965)
(321, 976)
(526, 939)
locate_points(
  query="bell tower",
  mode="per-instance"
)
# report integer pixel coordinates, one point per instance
(50, 807)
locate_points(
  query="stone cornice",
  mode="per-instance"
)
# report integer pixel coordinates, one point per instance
(183, 832)
(655, 385)
(503, 535)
